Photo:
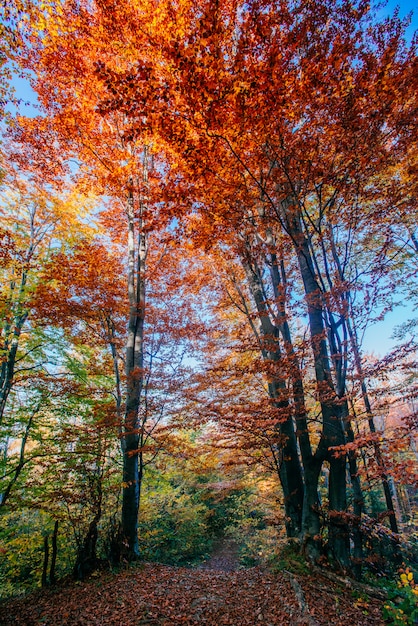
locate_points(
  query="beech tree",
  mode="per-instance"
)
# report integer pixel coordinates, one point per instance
(295, 131)
(108, 159)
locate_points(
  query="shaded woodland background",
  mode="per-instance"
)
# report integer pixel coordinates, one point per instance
(210, 206)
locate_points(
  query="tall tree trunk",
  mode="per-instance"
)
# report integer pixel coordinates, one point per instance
(12, 331)
(52, 576)
(332, 414)
(311, 523)
(290, 472)
(134, 369)
(44, 580)
(134, 375)
(350, 333)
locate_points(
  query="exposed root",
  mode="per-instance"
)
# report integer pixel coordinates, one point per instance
(303, 605)
(349, 583)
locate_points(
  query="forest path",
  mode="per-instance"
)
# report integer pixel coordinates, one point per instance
(224, 557)
(160, 595)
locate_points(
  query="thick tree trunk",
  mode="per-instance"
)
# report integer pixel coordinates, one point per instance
(134, 375)
(338, 348)
(311, 523)
(339, 535)
(332, 426)
(289, 466)
(290, 472)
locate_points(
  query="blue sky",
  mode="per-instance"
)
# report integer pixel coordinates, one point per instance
(405, 7)
(378, 336)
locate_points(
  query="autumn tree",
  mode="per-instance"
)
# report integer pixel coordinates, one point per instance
(115, 164)
(283, 98)
(34, 221)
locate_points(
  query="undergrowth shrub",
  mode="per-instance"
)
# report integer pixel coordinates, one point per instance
(256, 529)
(401, 609)
(22, 537)
(173, 528)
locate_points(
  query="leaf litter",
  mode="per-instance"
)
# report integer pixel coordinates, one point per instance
(161, 595)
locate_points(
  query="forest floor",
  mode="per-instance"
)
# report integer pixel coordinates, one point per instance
(216, 593)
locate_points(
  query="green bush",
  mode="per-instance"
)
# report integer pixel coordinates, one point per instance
(173, 528)
(22, 550)
(252, 530)
(257, 545)
(402, 606)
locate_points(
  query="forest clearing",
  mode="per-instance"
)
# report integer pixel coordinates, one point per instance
(207, 211)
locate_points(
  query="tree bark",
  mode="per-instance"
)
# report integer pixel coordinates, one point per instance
(86, 561)
(370, 418)
(134, 369)
(12, 331)
(290, 472)
(332, 424)
(311, 523)
(7, 370)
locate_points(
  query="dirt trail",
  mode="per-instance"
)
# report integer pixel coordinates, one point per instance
(224, 557)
